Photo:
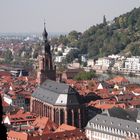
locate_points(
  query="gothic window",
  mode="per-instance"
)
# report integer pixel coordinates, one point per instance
(61, 116)
(57, 116)
(76, 120)
(70, 117)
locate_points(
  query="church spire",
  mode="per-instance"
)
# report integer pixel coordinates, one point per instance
(45, 34)
(45, 69)
(46, 47)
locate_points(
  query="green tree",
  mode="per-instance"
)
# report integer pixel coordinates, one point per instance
(85, 75)
(8, 56)
(74, 53)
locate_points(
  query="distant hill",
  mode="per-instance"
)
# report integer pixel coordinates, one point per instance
(122, 35)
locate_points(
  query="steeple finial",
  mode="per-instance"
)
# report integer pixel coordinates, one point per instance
(44, 24)
(45, 34)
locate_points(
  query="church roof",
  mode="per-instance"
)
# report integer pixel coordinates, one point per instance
(56, 93)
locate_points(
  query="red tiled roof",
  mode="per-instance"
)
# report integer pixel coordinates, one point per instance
(137, 90)
(108, 106)
(5, 104)
(17, 135)
(118, 80)
(65, 127)
(67, 135)
(44, 124)
(134, 102)
(20, 116)
(4, 73)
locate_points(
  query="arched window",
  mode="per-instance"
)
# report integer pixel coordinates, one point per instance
(61, 116)
(70, 117)
(57, 116)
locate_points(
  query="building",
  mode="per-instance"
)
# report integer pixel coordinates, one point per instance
(19, 118)
(90, 63)
(132, 64)
(84, 58)
(3, 133)
(60, 102)
(45, 68)
(18, 96)
(43, 125)
(59, 59)
(119, 80)
(104, 63)
(71, 73)
(61, 135)
(102, 127)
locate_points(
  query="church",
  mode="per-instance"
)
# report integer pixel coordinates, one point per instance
(46, 69)
(58, 101)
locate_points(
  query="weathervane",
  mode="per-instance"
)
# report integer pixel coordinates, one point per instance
(44, 23)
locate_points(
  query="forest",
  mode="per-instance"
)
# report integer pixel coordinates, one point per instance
(121, 35)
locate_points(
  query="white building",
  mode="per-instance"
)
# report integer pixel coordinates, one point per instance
(84, 58)
(67, 50)
(16, 100)
(118, 65)
(60, 48)
(113, 56)
(59, 59)
(132, 64)
(104, 63)
(90, 62)
(102, 127)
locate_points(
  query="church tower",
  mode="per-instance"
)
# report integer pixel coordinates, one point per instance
(46, 70)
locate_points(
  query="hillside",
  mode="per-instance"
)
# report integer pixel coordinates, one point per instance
(122, 35)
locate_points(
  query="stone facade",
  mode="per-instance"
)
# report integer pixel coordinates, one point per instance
(59, 102)
(46, 70)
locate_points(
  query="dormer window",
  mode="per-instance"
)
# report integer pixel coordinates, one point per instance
(111, 122)
(11, 88)
(127, 126)
(97, 119)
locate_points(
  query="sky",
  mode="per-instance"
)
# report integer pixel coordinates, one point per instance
(60, 15)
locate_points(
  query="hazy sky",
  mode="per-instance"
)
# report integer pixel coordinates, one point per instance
(60, 15)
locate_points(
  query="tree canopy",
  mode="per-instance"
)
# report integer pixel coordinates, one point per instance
(108, 37)
(85, 75)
